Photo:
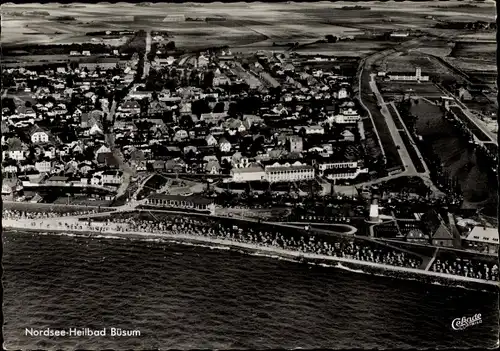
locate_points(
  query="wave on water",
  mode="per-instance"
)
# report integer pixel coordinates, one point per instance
(211, 247)
(341, 266)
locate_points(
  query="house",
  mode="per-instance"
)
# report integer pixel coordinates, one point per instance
(43, 166)
(190, 149)
(224, 145)
(442, 236)
(159, 165)
(213, 117)
(96, 129)
(176, 165)
(464, 94)
(9, 169)
(108, 159)
(181, 135)
(235, 124)
(102, 150)
(295, 143)
(252, 120)
(84, 168)
(203, 61)
(342, 94)
(16, 150)
(248, 174)
(483, 239)
(57, 180)
(212, 167)
(112, 177)
(130, 107)
(221, 80)
(157, 108)
(25, 112)
(347, 136)
(38, 135)
(309, 130)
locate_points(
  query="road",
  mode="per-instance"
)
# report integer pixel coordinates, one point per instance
(402, 151)
(368, 110)
(147, 64)
(409, 136)
(110, 140)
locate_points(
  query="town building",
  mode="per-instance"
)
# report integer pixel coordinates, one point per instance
(195, 203)
(57, 180)
(406, 76)
(289, 172)
(295, 143)
(483, 239)
(248, 174)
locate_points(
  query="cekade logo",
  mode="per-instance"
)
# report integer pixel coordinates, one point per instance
(465, 322)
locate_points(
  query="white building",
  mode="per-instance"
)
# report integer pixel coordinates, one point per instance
(311, 129)
(484, 239)
(224, 145)
(347, 173)
(39, 137)
(112, 177)
(342, 94)
(405, 76)
(289, 172)
(337, 165)
(345, 119)
(249, 174)
(43, 166)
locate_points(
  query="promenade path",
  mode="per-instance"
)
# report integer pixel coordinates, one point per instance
(431, 261)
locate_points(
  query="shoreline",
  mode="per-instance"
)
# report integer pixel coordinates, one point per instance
(388, 270)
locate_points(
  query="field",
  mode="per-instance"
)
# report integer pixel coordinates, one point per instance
(485, 50)
(409, 62)
(354, 48)
(253, 24)
(427, 90)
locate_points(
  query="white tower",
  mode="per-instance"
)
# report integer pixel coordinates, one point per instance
(418, 73)
(373, 214)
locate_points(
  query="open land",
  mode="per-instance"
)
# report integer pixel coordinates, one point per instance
(253, 24)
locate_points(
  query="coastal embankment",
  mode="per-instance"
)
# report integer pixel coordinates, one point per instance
(250, 248)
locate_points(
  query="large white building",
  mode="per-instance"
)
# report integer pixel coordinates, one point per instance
(406, 76)
(337, 165)
(346, 116)
(248, 174)
(289, 172)
(484, 239)
(346, 173)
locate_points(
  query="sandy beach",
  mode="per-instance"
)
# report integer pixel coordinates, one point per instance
(106, 232)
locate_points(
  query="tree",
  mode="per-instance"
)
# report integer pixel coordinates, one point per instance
(208, 79)
(170, 45)
(219, 107)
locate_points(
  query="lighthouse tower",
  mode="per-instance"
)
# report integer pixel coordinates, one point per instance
(373, 211)
(373, 216)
